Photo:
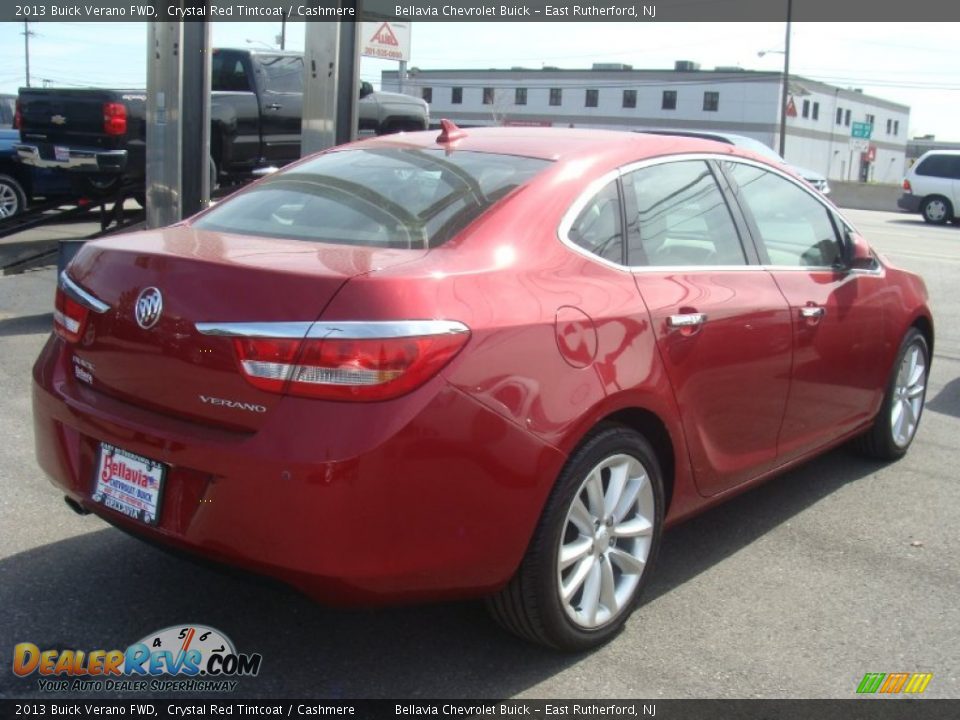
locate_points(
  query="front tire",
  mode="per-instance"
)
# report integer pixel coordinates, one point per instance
(936, 210)
(899, 417)
(593, 549)
(13, 199)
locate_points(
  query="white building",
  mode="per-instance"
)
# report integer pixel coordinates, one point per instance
(728, 99)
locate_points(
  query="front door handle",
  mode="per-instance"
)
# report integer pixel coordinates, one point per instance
(812, 312)
(274, 106)
(687, 320)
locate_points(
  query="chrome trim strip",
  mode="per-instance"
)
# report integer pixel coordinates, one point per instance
(77, 158)
(80, 295)
(347, 330)
(593, 188)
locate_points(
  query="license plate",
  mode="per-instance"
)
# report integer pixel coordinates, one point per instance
(129, 483)
(61, 153)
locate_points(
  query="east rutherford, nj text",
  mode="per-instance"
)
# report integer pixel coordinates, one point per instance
(409, 11)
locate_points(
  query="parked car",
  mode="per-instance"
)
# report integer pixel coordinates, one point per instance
(255, 114)
(503, 361)
(19, 184)
(817, 180)
(932, 187)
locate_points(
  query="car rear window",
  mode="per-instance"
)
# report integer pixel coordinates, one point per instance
(381, 197)
(942, 166)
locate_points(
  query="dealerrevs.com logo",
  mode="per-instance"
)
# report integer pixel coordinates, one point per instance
(197, 657)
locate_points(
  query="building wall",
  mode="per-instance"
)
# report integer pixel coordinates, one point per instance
(749, 104)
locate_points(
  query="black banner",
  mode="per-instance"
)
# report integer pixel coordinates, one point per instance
(875, 709)
(856, 11)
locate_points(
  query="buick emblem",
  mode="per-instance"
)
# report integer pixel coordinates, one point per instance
(58, 120)
(149, 307)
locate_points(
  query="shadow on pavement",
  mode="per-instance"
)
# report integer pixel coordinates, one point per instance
(26, 325)
(105, 590)
(947, 401)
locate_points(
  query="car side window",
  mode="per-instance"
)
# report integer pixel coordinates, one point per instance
(795, 228)
(284, 73)
(228, 73)
(597, 228)
(677, 215)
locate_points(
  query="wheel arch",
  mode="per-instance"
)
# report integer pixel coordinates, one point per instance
(668, 442)
(924, 324)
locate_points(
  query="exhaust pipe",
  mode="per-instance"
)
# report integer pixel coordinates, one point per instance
(75, 506)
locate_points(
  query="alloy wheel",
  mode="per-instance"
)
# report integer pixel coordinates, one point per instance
(606, 541)
(9, 201)
(908, 394)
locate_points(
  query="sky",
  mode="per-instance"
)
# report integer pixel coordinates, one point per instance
(915, 64)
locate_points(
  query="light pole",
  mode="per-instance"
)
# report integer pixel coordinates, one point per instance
(785, 96)
(27, 32)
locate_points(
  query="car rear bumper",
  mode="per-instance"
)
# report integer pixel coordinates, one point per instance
(427, 511)
(74, 159)
(909, 202)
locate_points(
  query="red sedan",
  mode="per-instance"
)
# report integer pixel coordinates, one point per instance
(491, 362)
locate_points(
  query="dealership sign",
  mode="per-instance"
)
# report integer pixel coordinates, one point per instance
(385, 40)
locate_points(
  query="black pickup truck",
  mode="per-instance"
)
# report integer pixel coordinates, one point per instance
(255, 110)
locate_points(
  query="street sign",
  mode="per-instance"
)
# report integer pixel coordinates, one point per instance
(385, 40)
(859, 145)
(861, 130)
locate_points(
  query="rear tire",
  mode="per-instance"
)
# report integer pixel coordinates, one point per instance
(13, 199)
(936, 210)
(899, 418)
(593, 549)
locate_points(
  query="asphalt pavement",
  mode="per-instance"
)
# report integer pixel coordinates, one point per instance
(795, 589)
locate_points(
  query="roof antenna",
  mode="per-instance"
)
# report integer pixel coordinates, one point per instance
(450, 132)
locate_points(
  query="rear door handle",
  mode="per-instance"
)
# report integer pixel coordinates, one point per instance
(274, 106)
(812, 312)
(686, 320)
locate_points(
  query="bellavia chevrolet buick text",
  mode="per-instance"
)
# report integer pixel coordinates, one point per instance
(495, 362)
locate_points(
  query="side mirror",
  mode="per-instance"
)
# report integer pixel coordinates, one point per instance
(860, 255)
(365, 89)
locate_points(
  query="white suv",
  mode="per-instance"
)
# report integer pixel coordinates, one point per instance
(932, 187)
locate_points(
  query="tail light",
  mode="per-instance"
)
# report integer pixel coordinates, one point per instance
(72, 308)
(17, 117)
(906, 186)
(346, 361)
(69, 317)
(114, 118)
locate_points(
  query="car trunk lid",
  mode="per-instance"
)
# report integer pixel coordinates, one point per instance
(202, 277)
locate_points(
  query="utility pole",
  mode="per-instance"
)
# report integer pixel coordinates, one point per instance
(26, 48)
(786, 83)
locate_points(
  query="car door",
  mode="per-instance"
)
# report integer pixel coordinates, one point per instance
(281, 106)
(837, 314)
(723, 327)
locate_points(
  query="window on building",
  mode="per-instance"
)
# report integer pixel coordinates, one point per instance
(816, 111)
(488, 94)
(896, 127)
(806, 108)
(556, 96)
(456, 95)
(871, 119)
(889, 126)
(669, 100)
(427, 94)
(629, 98)
(711, 101)
(592, 98)
(846, 118)
(839, 116)
(520, 96)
